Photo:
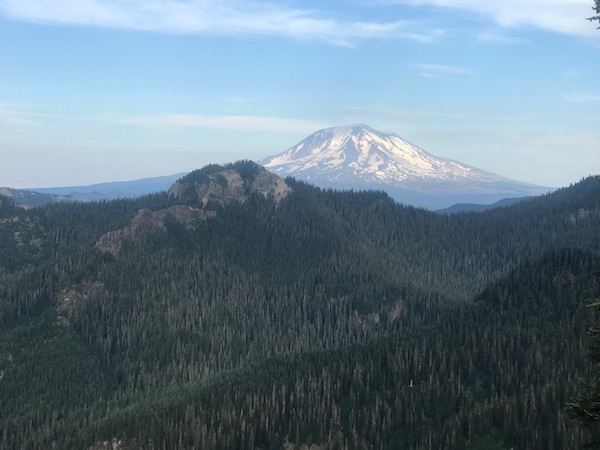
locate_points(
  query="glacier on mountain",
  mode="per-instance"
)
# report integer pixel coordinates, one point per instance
(357, 156)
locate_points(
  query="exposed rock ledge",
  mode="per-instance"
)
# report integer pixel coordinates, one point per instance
(228, 184)
(146, 222)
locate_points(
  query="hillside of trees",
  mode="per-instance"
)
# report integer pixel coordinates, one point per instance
(337, 320)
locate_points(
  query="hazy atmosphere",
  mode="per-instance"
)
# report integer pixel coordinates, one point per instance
(105, 90)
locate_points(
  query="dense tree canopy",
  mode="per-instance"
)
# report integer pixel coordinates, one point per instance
(333, 319)
(586, 407)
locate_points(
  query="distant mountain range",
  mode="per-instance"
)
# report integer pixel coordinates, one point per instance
(472, 207)
(359, 157)
(117, 189)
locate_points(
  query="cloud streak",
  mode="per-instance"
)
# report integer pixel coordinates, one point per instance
(11, 114)
(561, 16)
(227, 122)
(440, 70)
(206, 17)
(582, 97)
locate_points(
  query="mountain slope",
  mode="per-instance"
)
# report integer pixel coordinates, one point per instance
(241, 319)
(33, 198)
(459, 383)
(361, 157)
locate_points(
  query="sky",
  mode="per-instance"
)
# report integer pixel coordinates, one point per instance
(110, 90)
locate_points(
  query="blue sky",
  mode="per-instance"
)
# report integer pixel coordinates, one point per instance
(106, 90)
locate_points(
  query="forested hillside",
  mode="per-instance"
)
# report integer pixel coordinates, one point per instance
(240, 310)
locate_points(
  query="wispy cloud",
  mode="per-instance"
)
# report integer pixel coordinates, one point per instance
(582, 97)
(444, 116)
(494, 36)
(233, 122)
(440, 70)
(561, 16)
(13, 114)
(28, 116)
(210, 17)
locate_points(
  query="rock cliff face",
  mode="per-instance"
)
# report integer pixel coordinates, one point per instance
(231, 183)
(146, 222)
(234, 182)
(71, 299)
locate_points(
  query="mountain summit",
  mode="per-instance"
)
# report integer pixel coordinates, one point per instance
(357, 156)
(358, 152)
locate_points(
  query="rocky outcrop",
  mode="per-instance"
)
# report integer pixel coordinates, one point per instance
(222, 184)
(146, 222)
(267, 183)
(71, 299)
(228, 184)
(112, 444)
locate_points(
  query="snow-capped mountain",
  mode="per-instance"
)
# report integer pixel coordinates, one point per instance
(358, 156)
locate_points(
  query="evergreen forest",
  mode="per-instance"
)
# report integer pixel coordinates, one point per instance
(220, 316)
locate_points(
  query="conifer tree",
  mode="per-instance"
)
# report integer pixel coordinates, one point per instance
(586, 407)
(596, 8)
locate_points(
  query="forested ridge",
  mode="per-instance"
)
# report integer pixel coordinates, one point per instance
(324, 318)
